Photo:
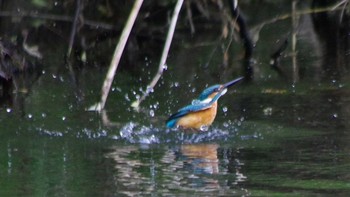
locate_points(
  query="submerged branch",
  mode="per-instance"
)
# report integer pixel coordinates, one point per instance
(116, 57)
(162, 62)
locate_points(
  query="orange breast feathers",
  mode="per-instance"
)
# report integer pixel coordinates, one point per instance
(199, 118)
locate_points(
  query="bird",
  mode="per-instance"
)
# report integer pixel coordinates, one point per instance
(201, 112)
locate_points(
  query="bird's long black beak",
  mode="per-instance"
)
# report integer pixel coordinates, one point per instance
(228, 84)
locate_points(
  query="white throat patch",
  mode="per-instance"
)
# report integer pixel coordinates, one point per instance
(207, 100)
(224, 91)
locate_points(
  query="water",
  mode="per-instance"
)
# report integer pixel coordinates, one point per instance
(271, 137)
(293, 150)
(252, 164)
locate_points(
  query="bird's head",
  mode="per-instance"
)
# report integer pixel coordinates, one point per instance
(213, 93)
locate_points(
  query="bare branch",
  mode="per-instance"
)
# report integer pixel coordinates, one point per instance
(162, 62)
(78, 12)
(116, 57)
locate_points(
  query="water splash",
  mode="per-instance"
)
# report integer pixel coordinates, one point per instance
(50, 133)
(136, 133)
(204, 128)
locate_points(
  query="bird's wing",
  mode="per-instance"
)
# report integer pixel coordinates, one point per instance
(171, 122)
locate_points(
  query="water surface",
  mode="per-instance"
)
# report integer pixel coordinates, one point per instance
(271, 137)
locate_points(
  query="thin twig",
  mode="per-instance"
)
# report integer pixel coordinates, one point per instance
(72, 38)
(246, 38)
(74, 27)
(116, 57)
(257, 28)
(162, 62)
(339, 4)
(295, 23)
(189, 17)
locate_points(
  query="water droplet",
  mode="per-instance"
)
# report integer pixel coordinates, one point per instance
(225, 109)
(43, 115)
(8, 110)
(335, 115)
(114, 137)
(225, 124)
(268, 111)
(63, 118)
(156, 105)
(127, 130)
(151, 113)
(149, 89)
(30, 116)
(126, 96)
(204, 128)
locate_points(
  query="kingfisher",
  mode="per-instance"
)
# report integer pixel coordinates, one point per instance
(202, 111)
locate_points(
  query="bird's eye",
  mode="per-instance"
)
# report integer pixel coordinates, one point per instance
(218, 89)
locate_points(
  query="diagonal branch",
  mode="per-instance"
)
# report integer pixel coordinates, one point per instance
(116, 57)
(78, 12)
(162, 65)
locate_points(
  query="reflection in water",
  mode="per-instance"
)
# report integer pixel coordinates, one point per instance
(201, 160)
(191, 167)
(202, 157)
(9, 159)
